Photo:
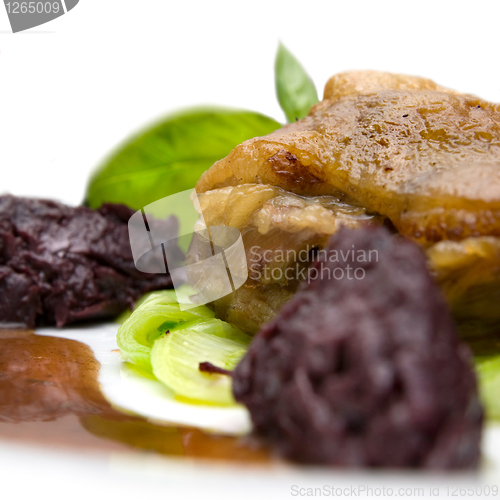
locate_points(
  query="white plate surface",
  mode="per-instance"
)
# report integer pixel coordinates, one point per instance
(128, 391)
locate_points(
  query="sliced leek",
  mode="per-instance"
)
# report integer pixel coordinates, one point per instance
(176, 356)
(488, 373)
(158, 313)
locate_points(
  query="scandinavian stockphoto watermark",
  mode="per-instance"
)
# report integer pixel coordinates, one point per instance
(170, 235)
(26, 14)
(282, 266)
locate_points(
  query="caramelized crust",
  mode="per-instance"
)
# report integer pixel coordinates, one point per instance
(425, 157)
(402, 147)
(367, 82)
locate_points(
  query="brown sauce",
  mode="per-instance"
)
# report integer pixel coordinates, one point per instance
(50, 396)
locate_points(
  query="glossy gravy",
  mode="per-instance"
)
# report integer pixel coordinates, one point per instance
(50, 396)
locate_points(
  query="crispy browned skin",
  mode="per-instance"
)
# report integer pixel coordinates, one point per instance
(366, 82)
(424, 156)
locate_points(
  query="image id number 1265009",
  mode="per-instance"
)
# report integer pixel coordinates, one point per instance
(32, 7)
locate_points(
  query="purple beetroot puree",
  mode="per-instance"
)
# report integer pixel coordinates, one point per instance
(61, 264)
(364, 372)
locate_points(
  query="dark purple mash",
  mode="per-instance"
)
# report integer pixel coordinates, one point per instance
(60, 264)
(365, 372)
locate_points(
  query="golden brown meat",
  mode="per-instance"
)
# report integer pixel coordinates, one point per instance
(398, 147)
(427, 159)
(280, 231)
(367, 82)
(469, 274)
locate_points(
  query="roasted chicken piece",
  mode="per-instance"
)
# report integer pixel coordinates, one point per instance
(469, 274)
(281, 232)
(400, 150)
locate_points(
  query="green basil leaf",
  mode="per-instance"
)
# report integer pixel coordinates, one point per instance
(296, 91)
(171, 156)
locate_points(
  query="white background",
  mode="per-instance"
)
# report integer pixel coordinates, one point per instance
(73, 89)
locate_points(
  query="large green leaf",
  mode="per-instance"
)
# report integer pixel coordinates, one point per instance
(296, 91)
(171, 156)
